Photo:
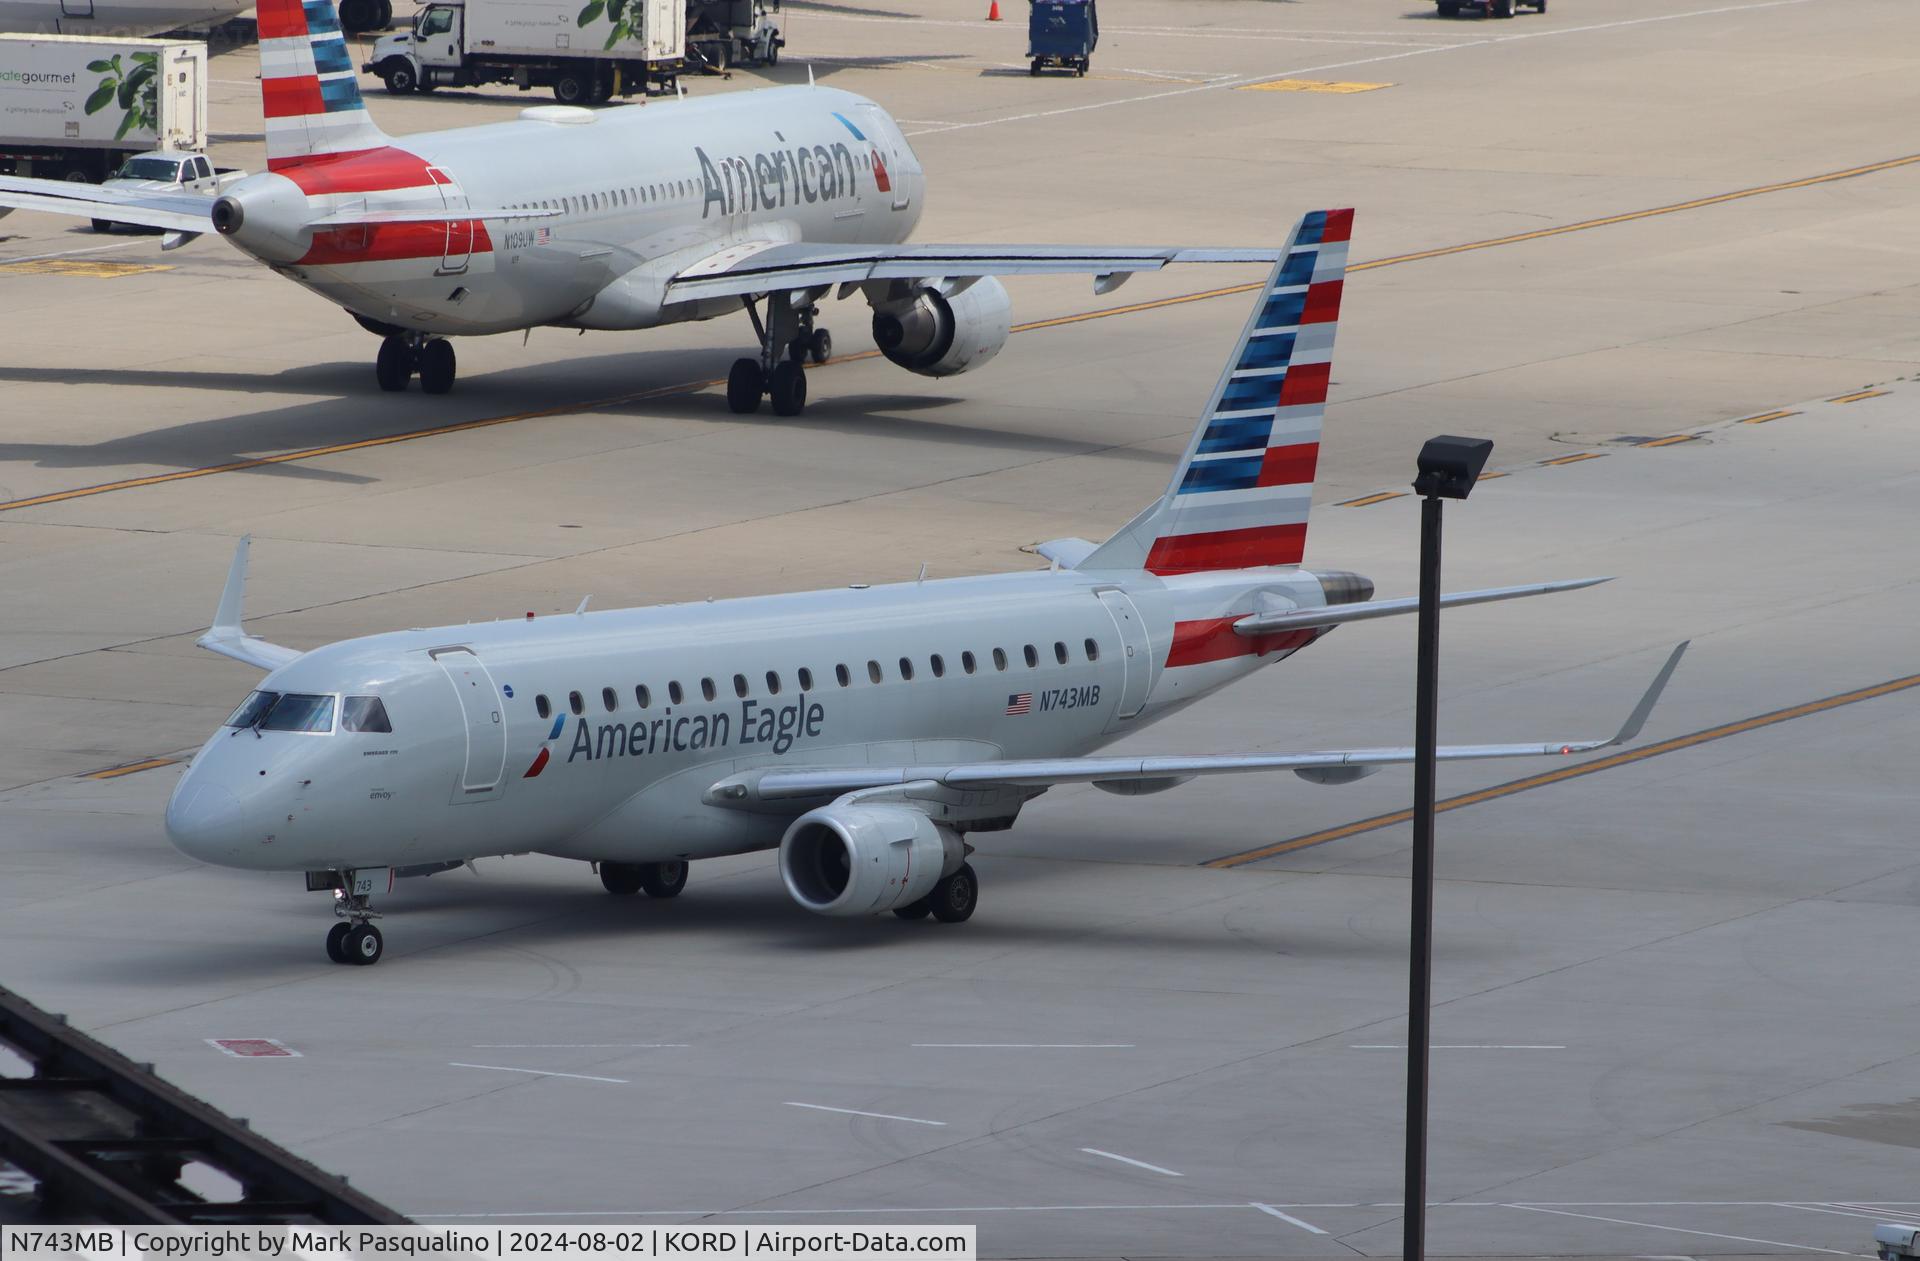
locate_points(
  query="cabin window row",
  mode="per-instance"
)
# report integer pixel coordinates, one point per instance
(610, 698)
(610, 199)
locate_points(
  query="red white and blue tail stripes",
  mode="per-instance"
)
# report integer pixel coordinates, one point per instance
(1240, 497)
(307, 86)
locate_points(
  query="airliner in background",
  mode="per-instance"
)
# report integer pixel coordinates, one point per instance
(114, 17)
(866, 733)
(761, 202)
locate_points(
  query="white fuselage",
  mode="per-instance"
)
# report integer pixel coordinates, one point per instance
(471, 766)
(113, 17)
(633, 195)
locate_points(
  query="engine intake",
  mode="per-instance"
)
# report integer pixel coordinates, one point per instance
(939, 336)
(864, 859)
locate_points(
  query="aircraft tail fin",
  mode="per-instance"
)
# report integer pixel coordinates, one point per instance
(307, 86)
(1240, 494)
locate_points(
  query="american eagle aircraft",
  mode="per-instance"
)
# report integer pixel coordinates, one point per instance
(620, 219)
(865, 733)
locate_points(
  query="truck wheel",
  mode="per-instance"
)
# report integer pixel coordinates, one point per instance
(773, 52)
(77, 175)
(401, 79)
(1449, 8)
(1502, 8)
(570, 88)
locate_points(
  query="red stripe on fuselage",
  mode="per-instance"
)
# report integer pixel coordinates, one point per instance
(539, 764)
(280, 19)
(1213, 639)
(291, 97)
(379, 170)
(1305, 383)
(1228, 549)
(386, 242)
(1289, 466)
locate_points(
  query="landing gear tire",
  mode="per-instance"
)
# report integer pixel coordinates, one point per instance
(401, 80)
(663, 880)
(337, 941)
(363, 945)
(393, 366)
(357, 16)
(820, 346)
(623, 880)
(571, 88)
(746, 383)
(437, 366)
(1500, 9)
(955, 896)
(787, 387)
(918, 909)
(383, 15)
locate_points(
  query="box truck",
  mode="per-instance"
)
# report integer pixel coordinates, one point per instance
(76, 106)
(585, 50)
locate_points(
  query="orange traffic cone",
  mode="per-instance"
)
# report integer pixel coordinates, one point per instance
(993, 13)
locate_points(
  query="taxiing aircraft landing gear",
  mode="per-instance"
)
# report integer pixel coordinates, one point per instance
(660, 880)
(402, 355)
(354, 939)
(393, 366)
(954, 896)
(436, 366)
(787, 340)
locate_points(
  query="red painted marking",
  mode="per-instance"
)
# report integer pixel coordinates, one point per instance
(1213, 639)
(253, 1048)
(539, 763)
(1305, 383)
(1339, 226)
(1323, 302)
(880, 173)
(387, 242)
(362, 171)
(1289, 466)
(1228, 549)
(281, 19)
(291, 97)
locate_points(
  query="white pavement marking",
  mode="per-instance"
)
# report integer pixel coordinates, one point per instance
(1462, 1046)
(91, 249)
(571, 1046)
(1342, 65)
(540, 1072)
(1029, 1046)
(855, 1112)
(1271, 1211)
(1901, 1217)
(1128, 1160)
(1682, 1230)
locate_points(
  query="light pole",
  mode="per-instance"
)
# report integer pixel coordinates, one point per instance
(1449, 466)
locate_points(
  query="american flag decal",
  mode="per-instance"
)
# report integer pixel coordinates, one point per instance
(1020, 703)
(542, 236)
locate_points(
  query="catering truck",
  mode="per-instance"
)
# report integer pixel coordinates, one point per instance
(76, 106)
(585, 50)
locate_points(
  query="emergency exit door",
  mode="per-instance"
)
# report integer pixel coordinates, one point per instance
(1136, 653)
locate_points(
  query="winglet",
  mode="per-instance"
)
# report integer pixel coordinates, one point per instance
(227, 617)
(1638, 718)
(226, 636)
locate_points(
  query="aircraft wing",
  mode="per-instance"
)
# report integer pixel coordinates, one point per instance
(175, 212)
(744, 790)
(761, 267)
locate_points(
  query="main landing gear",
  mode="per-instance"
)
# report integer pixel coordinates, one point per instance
(787, 340)
(951, 901)
(660, 880)
(354, 939)
(402, 355)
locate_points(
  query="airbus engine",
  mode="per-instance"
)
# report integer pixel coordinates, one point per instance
(864, 859)
(940, 335)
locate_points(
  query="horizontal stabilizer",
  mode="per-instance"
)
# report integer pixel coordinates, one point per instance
(1335, 615)
(174, 212)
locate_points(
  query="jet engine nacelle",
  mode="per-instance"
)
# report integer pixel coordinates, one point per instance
(864, 859)
(938, 335)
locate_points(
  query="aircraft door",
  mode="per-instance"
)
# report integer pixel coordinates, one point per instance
(486, 727)
(459, 247)
(76, 8)
(1136, 653)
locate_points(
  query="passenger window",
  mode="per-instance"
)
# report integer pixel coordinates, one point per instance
(906, 669)
(542, 707)
(873, 671)
(674, 694)
(967, 662)
(739, 685)
(999, 658)
(364, 713)
(707, 689)
(773, 683)
(806, 679)
(1033, 657)
(298, 711)
(574, 703)
(642, 697)
(1059, 652)
(939, 666)
(844, 675)
(253, 709)
(1093, 650)
(608, 699)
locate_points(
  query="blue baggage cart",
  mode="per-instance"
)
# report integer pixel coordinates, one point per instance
(1062, 33)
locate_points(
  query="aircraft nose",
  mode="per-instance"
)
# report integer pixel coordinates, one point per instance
(205, 821)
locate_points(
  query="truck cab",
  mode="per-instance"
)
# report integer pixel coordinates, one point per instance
(407, 60)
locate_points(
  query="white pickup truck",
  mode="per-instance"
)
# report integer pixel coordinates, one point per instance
(164, 171)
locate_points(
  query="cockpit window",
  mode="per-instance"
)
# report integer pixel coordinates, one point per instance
(364, 713)
(253, 709)
(299, 711)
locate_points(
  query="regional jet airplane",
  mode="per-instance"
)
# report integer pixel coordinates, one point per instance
(865, 733)
(113, 17)
(620, 219)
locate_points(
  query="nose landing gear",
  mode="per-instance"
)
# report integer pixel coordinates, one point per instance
(787, 340)
(354, 939)
(402, 355)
